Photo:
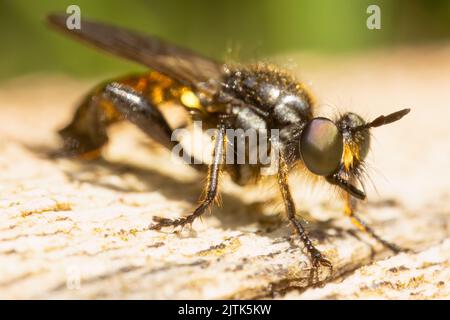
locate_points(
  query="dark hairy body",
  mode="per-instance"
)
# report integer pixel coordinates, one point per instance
(257, 98)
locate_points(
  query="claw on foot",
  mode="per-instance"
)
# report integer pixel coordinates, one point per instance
(319, 260)
(165, 222)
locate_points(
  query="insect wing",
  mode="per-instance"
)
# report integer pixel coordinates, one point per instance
(183, 65)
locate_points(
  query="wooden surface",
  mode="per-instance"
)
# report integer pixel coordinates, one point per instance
(76, 229)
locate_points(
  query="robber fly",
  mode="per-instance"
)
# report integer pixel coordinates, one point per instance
(224, 97)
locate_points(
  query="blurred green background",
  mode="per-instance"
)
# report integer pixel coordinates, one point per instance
(252, 29)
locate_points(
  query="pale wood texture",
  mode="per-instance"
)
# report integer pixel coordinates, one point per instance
(74, 229)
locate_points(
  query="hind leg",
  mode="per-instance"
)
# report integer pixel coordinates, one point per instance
(87, 132)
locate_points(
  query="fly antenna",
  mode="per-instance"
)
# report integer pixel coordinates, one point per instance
(382, 120)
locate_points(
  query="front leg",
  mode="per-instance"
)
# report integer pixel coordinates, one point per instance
(349, 210)
(316, 256)
(213, 180)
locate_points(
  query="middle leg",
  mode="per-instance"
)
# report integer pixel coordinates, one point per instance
(211, 189)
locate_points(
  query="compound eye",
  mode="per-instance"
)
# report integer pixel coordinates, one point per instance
(321, 146)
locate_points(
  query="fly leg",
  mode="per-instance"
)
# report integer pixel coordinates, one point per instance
(316, 256)
(211, 188)
(127, 99)
(349, 210)
(86, 133)
(137, 109)
(109, 104)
